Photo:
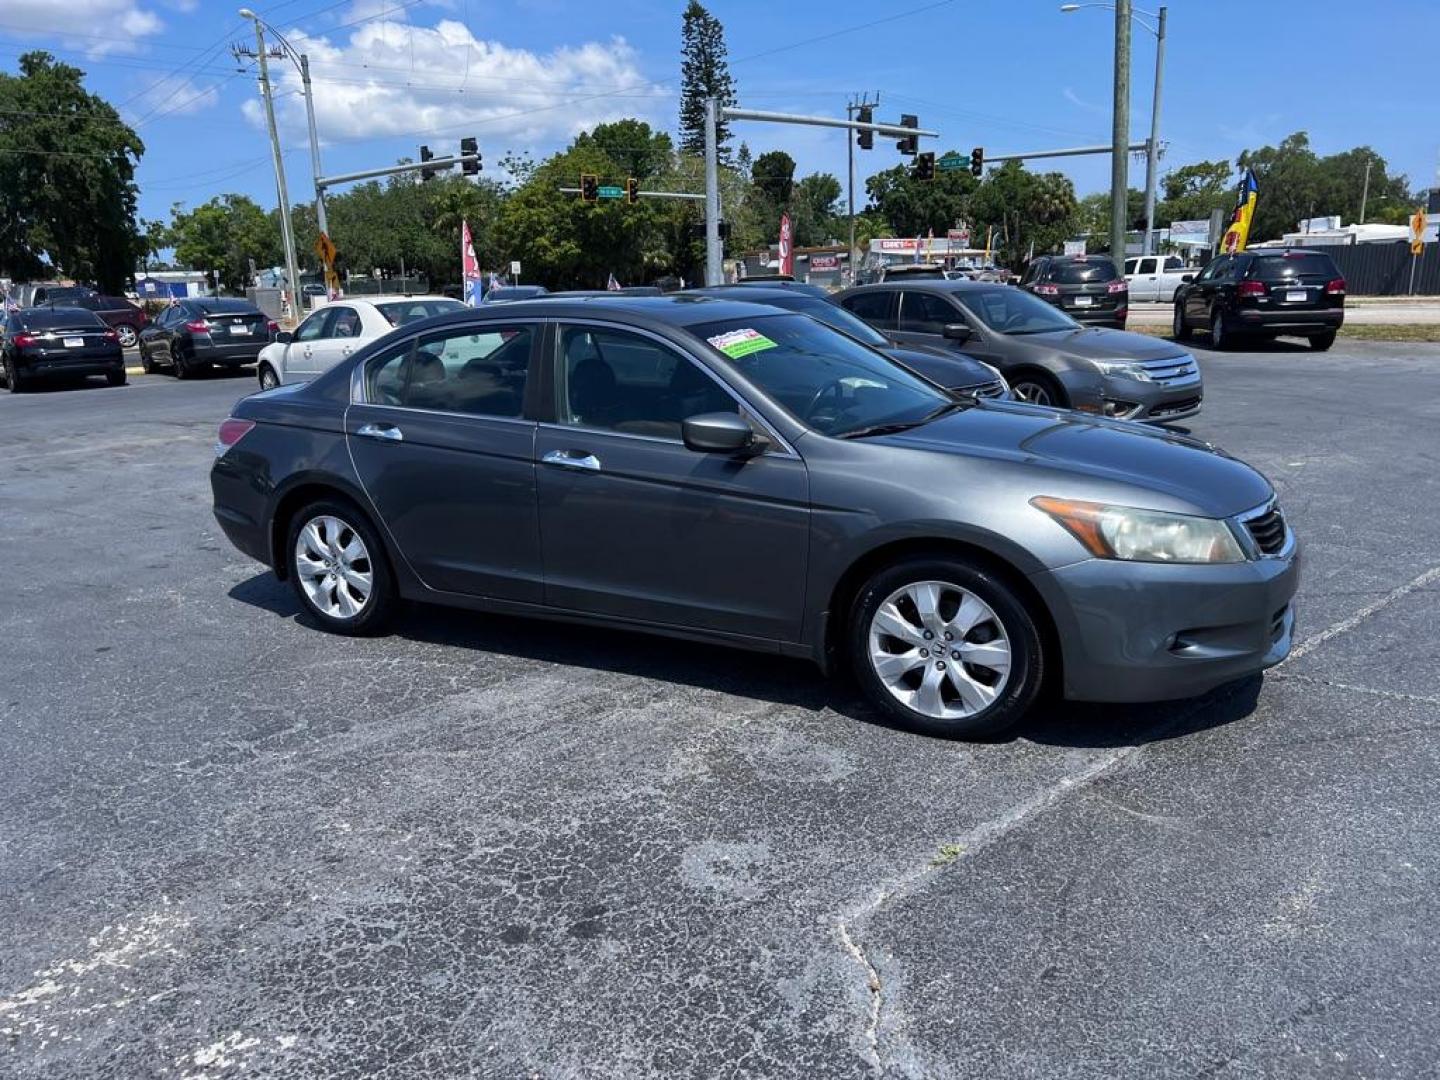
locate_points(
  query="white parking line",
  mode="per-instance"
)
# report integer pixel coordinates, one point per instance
(1311, 644)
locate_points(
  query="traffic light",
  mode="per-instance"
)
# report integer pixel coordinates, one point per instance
(977, 161)
(925, 166)
(910, 143)
(470, 146)
(589, 187)
(865, 137)
(632, 191)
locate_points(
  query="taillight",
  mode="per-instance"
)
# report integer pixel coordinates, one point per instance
(1118, 285)
(272, 326)
(1047, 290)
(198, 326)
(1335, 287)
(24, 341)
(1252, 288)
(111, 335)
(231, 432)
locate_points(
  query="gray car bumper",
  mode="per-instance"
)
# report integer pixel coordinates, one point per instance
(1134, 399)
(1153, 632)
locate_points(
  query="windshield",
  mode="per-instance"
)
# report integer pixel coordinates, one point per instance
(56, 318)
(833, 315)
(1008, 310)
(407, 311)
(824, 379)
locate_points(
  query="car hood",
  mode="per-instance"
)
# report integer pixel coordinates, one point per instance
(948, 369)
(1187, 471)
(1096, 343)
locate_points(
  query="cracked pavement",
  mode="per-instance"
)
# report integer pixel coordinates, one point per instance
(231, 844)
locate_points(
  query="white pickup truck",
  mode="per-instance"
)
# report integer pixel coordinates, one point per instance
(1156, 277)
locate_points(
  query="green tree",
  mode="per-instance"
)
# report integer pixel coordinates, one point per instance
(638, 150)
(704, 73)
(773, 175)
(67, 178)
(916, 207)
(815, 205)
(222, 236)
(1191, 192)
(1025, 209)
(1289, 186)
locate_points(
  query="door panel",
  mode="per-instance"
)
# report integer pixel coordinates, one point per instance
(637, 526)
(455, 487)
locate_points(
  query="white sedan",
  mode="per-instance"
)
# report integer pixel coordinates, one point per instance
(333, 332)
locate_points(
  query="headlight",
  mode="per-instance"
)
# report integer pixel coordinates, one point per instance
(1122, 369)
(996, 372)
(1122, 532)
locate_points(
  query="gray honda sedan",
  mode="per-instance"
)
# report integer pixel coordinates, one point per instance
(728, 472)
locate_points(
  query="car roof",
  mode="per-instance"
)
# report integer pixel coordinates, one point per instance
(760, 295)
(676, 310)
(941, 285)
(388, 298)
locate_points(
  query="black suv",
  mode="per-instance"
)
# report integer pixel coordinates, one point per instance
(1264, 293)
(1088, 288)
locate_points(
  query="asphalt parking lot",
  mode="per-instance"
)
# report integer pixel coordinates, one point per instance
(232, 844)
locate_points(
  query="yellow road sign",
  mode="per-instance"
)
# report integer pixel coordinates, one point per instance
(1417, 232)
(325, 248)
(1417, 247)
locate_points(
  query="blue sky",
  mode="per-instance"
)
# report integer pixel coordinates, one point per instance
(524, 75)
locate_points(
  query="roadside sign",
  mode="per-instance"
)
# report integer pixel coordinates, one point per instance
(515, 268)
(325, 248)
(1074, 247)
(958, 236)
(951, 162)
(1417, 232)
(611, 191)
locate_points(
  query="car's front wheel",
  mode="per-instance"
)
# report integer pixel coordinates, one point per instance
(1180, 329)
(339, 570)
(1038, 389)
(946, 648)
(268, 379)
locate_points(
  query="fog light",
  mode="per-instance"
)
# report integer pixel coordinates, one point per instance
(1120, 410)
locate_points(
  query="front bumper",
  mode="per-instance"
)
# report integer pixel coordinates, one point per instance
(1134, 399)
(1312, 321)
(1155, 632)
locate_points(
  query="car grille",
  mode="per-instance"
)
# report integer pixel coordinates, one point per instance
(1268, 531)
(1173, 370)
(1175, 408)
(987, 390)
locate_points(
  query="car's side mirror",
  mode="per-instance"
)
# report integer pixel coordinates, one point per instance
(717, 432)
(1187, 278)
(958, 331)
(284, 337)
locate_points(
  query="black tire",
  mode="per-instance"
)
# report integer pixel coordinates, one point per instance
(1180, 329)
(1044, 384)
(14, 381)
(181, 367)
(1027, 656)
(115, 378)
(1219, 332)
(268, 379)
(146, 364)
(1322, 342)
(383, 600)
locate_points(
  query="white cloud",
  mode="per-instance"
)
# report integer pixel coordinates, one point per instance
(170, 95)
(392, 79)
(97, 26)
(1080, 103)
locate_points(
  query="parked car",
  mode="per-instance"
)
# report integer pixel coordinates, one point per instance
(40, 343)
(779, 281)
(126, 317)
(195, 334)
(962, 375)
(1264, 293)
(1046, 356)
(911, 272)
(627, 290)
(333, 332)
(504, 294)
(1156, 277)
(37, 293)
(1086, 287)
(731, 473)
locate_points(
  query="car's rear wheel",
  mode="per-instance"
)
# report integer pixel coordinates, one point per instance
(1321, 342)
(1219, 334)
(146, 364)
(184, 369)
(268, 379)
(338, 568)
(127, 334)
(116, 377)
(14, 381)
(1180, 329)
(946, 648)
(1038, 389)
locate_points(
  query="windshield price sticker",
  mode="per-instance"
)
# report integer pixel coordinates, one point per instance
(738, 343)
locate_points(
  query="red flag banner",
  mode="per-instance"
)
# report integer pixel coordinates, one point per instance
(787, 250)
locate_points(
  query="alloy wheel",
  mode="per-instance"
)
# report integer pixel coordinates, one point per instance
(939, 650)
(333, 566)
(268, 381)
(1033, 392)
(127, 335)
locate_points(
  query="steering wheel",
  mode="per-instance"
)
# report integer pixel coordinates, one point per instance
(834, 385)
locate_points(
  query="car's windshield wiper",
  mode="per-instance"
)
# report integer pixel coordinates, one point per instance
(903, 425)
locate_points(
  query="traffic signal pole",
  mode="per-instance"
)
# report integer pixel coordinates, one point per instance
(714, 256)
(322, 182)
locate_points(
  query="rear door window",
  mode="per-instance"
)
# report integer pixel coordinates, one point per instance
(1174, 262)
(1074, 272)
(346, 324)
(874, 307)
(480, 370)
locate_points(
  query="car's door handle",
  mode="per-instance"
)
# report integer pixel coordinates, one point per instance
(387, 432)
(573, 459)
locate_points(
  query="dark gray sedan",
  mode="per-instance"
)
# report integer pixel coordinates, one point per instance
(1047, 357)
(734, 474)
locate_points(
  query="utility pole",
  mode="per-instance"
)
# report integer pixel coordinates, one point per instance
(714, 257)
(1364, 195)
(850, 111)
(287, 235)
(1120, 137)
(314, 144)
(1152, 156)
